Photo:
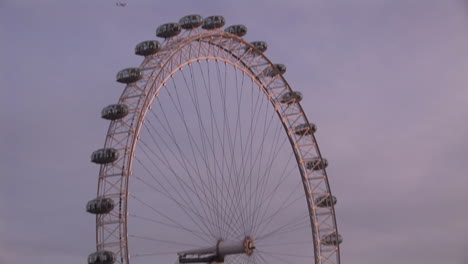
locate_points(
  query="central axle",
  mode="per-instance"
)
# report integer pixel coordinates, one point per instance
(217, 253)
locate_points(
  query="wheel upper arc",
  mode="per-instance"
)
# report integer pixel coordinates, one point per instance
(138, 96)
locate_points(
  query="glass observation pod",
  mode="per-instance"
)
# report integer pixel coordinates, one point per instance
(317, 164)
(332, 239)
(100, 206)
(277, 69)
(101, 257)
(114, 111)
(191, 21)
(147, 48)
(168, 30)
(238, 30)
(213, 22)
(129, 75)
(260, 45)
(291, 97)
(325, 201)
(305, 129)
(104, 156)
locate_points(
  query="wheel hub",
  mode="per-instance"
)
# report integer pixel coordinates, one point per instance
(219, 252)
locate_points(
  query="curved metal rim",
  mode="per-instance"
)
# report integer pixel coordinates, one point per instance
(156, 73)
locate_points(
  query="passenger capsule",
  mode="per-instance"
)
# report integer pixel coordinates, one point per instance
(129, 75)
(114, 111)
(316, 164)
(291, 97)
(105, 155)
(260, 45)
(238, 30)
(275, 70)
(100, 206)
(147, 48)
(305, 129)
(213, 22)
(102, 257)
(325, 201)
(191, 21)
(332, 239)
(168, 30)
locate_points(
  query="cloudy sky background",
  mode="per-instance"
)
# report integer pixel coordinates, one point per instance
(385, 80)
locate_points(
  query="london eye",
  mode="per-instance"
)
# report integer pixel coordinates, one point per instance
(209, 157)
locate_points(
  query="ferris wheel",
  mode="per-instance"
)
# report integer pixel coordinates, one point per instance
(209, 157)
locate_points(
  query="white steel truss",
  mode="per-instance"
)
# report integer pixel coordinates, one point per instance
(123, 134)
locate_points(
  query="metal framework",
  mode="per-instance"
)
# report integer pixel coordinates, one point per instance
(123, 134)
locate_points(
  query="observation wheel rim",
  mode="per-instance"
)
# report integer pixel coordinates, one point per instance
(174, 48)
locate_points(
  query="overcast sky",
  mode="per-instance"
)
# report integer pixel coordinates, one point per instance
(384, 80)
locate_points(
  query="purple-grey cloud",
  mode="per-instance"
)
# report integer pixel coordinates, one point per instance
(384, 80)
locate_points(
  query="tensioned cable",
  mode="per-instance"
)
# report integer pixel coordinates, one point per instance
(232, 201)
